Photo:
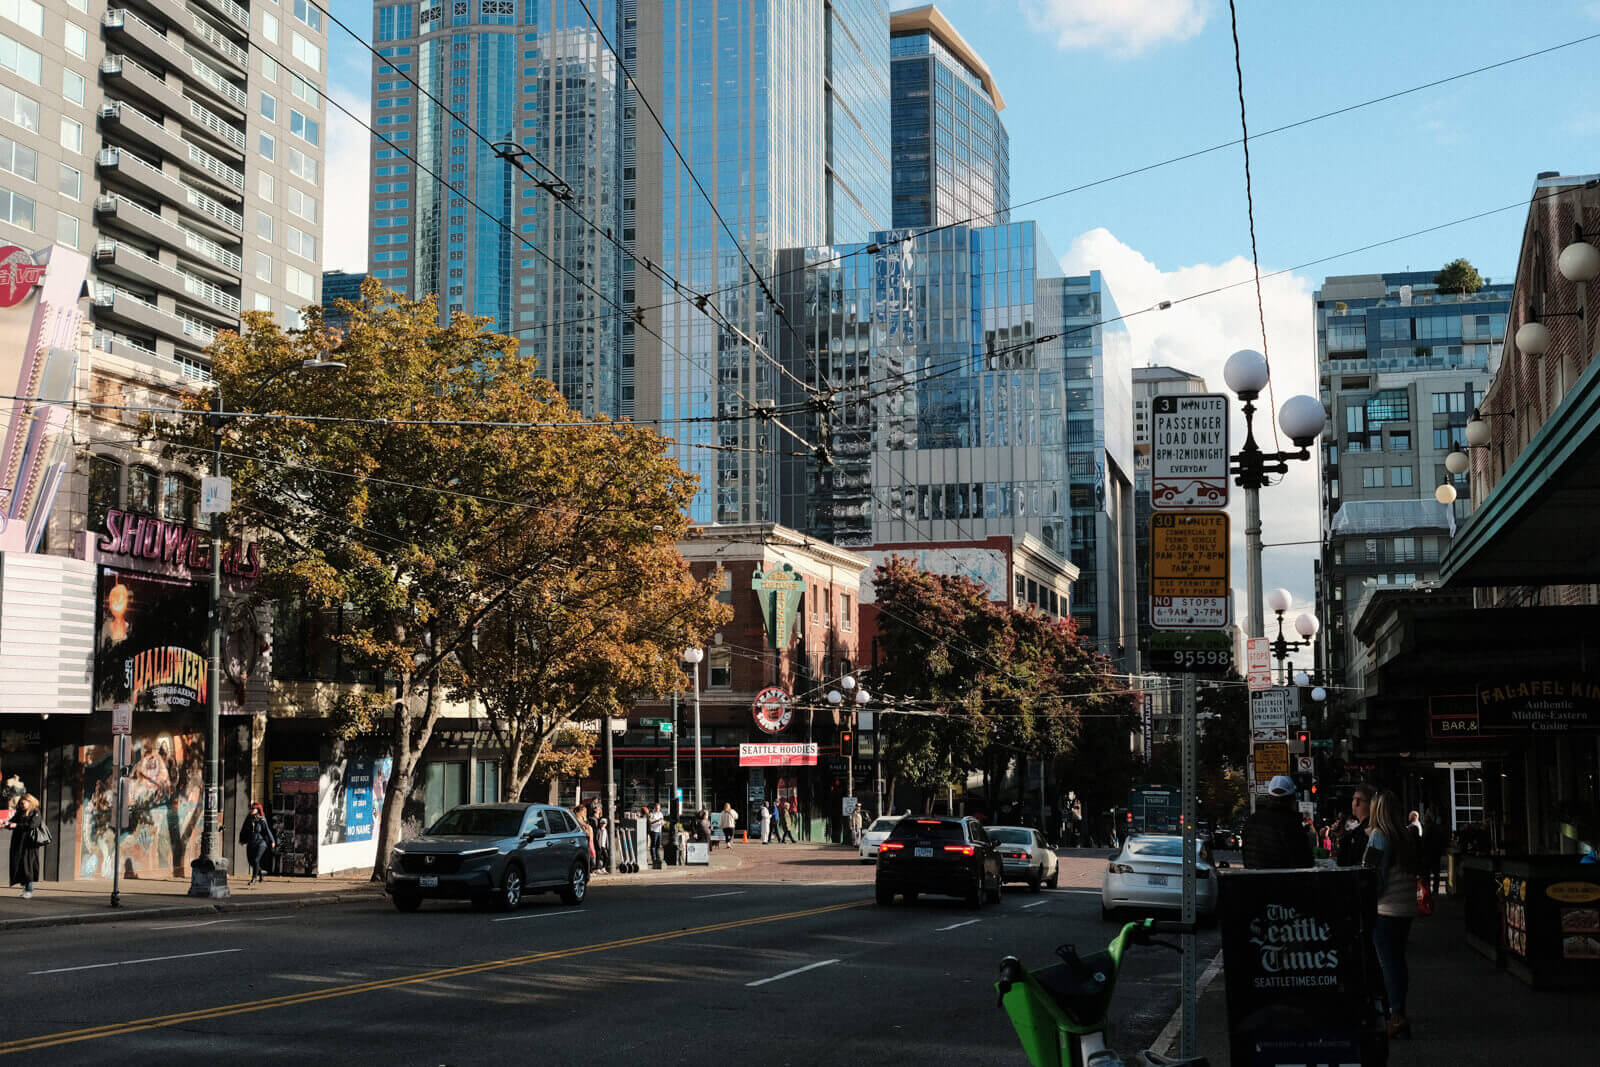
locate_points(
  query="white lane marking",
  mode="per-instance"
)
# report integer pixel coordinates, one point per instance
(538, 915)
(789, 974)
(1035, 904)
(713, 896)
(213, 922)
(129, 963)
(957, 926)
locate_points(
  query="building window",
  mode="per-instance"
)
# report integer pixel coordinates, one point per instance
(263, 302)
(20, 60)
(105, 489)
(179, 498)
(300, 243)
(19, 159)
(263, 266)
(1391, 405)
(1355, 419)
(725, 586)
(71, 134)
(1466, 792)
(844, 612)
(25, 13)
(66, 230)
(720, 667)
(304, 128)
(77, 40)
(269, 107)
(1399, 476)
(269, 146)
(264, 225)
(269, 26)
(73, 86)
(1372, 477)
(305, 51)
(1405, 549)
(1400, 442)
(264, 186)
(142, 483)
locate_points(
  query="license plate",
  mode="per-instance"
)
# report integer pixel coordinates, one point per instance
(923, 853)
(1156, 879)
(429, 881)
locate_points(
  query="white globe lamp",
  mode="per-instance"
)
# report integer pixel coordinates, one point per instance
(1246, 373)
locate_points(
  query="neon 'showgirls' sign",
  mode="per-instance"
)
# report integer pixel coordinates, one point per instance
(182, 547)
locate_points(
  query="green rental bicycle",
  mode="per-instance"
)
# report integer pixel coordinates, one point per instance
(1060, 1011)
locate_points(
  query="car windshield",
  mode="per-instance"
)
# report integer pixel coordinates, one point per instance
(1156, 846)
(1011, 835)
(938, 829)
(882, 826)
(479, 822)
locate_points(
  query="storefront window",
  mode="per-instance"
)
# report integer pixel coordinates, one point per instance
(142, 490)
(1466, 787)
(486, 783)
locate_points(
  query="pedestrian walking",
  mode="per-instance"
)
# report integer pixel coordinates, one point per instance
(702, 826)
(602, 845)
(765, 822)
(29, 835)
(656, 822)
(786, 819)
(1274, 836)
(581, 814)
(256, 837)
(855, 826)
(727, 820)
(1392, 850)
(1353, 833)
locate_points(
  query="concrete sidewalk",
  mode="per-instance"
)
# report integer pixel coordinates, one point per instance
(1463, 1012)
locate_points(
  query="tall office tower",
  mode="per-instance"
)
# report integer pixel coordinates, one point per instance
(1401, 366)
(538, 75)
(789, 157)
(952, 155)
(1149, 383)
(133, 137)
(953, 424)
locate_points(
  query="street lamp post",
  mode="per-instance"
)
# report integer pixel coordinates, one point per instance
(208, 876)
(1306, 625)
(693, 656)
(1302, 419)
(859, 697)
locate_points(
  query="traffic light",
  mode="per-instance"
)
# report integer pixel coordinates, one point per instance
(847, 742)
(1303, 737)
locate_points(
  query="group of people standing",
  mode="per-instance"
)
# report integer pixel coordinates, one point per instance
(1376, 834)
(778, 822)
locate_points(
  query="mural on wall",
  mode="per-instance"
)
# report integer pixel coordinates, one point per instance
(164, 812)
(354, 789)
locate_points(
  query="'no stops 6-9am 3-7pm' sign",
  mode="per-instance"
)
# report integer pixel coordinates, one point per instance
(1189, 571)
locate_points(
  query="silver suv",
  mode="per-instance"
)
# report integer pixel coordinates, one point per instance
(492, 853)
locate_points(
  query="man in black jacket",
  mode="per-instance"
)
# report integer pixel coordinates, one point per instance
(1352, 843)
(1274, 836)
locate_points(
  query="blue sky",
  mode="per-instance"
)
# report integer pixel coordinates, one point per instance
(1096, 87)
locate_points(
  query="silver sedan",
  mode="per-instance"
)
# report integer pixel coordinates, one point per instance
(875, 836)
(1026, 856)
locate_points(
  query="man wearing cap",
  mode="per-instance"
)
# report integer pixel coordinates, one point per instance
(1274, 836)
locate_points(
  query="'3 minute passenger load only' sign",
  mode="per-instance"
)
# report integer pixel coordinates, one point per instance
(1189, 452)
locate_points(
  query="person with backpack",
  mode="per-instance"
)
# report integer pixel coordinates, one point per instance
(1275, 838)
(29, 835)
(1392, 850)
(256, 837)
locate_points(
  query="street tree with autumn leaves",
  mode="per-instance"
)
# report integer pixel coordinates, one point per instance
(982, 686)
(489, 540)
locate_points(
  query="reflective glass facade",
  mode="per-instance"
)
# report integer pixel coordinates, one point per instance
(989, 434)
(952, 155)
(531, 71)
(858, 119)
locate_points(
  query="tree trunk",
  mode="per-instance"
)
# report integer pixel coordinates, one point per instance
(398, 786)
(1022, 790)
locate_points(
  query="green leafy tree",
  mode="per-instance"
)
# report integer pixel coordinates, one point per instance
(373, 496)
(1458, 276)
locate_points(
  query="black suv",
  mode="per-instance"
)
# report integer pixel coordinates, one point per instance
(939, 854)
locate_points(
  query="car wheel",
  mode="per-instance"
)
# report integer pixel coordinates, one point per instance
(406, 901)
(993, 895)
(976, 895)
(885, 896)
(577, 886)
(510, 893)
(1054, 879)
(1036, 882)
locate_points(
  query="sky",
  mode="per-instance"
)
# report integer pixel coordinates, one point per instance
(1094, 88)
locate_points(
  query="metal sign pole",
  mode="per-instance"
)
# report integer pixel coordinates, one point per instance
(1191, 963)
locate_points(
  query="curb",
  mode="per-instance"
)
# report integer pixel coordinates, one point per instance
(1172, 1033)
(185, 910)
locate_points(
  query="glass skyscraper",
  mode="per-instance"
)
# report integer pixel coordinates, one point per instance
(954, 424)
(538, 74)
(952, 155)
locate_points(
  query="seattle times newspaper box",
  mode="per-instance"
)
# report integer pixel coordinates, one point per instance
(1299, 968)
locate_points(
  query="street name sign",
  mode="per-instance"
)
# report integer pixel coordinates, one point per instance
(1258, 662)
(1201, 651)
(1189, 452)
(1189, 586)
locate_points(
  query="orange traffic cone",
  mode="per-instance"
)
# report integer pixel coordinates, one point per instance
(746, 839)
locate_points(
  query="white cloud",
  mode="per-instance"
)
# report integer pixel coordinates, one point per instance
(344, 226)
(1198, 336)
(1121, 27)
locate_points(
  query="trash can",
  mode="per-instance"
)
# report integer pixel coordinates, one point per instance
(1299, 968)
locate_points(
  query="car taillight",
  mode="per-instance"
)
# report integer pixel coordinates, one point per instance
(1016, 855)
(965, 850)
(1121, 868)
(890, 846)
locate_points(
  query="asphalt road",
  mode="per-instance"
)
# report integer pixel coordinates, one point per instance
(680, 972)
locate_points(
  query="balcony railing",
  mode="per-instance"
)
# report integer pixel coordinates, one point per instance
(198, 330)
(213, 122)
(117, 157)
(208, 33)
(222, 213)
(206, 291)
(213, 78)
(232, 10)
(211, 250)
(122, 203)
(215, 167)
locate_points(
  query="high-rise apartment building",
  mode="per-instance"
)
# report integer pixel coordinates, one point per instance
(181, 147)
(782, 113)
(1401, 366)
(1149, 383)
(956, 422)
(952, 155)
(543, 271)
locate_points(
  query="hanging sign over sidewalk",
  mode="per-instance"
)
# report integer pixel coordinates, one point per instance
(778, 754)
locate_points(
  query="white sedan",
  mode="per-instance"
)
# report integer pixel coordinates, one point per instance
(874, 836)
(1148, 873)
(1025, 856)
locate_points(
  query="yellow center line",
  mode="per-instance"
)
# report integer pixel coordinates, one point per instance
(67, 1037)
